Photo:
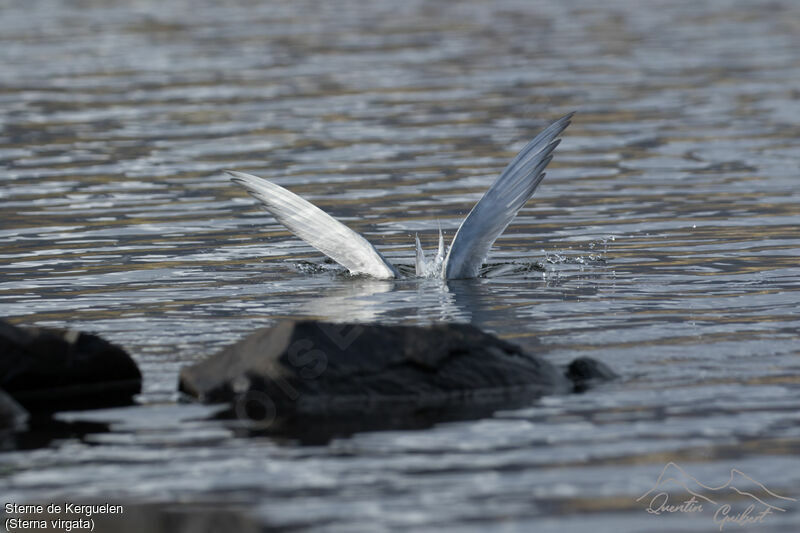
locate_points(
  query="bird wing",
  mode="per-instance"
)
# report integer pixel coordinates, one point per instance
(501, 203)
(317, 228)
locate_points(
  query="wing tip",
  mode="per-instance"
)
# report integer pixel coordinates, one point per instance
(252, 184)
(565, 121)
(239, 178)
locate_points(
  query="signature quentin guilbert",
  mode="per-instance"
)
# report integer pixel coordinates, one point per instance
(701, 497)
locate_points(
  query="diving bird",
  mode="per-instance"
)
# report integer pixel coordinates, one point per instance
(470, 247)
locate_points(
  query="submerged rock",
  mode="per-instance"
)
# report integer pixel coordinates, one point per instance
(13, 416)
(47, 369)
(308, 368)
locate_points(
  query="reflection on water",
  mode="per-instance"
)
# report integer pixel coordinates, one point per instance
(663, 240)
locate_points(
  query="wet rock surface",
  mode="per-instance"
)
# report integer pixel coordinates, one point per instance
(46, 369)
(315, 368)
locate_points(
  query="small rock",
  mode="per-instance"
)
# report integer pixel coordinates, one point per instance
(313, 368)
(48, 369)
(585, 371)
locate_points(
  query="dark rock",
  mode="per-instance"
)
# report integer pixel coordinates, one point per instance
(585, 371)
(12, 415)
(313, 368)
(48, 369)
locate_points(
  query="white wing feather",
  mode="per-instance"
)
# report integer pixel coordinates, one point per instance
(317, 228)
(419, 261)
(501, 203)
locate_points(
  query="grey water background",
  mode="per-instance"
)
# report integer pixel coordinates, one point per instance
(664, 241)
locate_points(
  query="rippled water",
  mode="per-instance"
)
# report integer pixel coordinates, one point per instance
(664, 242)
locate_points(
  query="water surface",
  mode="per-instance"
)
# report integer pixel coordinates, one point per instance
(663, 241)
